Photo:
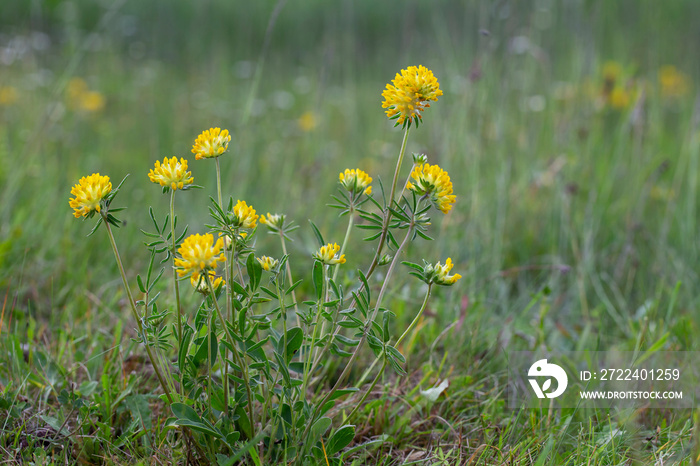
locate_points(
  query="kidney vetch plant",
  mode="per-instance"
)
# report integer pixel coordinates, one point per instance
(253, 363)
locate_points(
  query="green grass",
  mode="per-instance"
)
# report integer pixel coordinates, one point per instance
(597, 207)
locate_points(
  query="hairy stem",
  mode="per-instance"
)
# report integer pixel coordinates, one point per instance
(135, 313)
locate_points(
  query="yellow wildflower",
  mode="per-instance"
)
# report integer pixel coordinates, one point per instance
(199, 283)
(307, 122)
(327, 254)
(356, 181)
(199, 253)
(439, 274)
(88, 193)
(171, 173)
(8, 95)
(433, 182)
(268, 263)
(92, 101)
(619, 98)
(211, 143)
(410, 94)
(244, 215)
(673, 82)
(82, 98)
(273, 221)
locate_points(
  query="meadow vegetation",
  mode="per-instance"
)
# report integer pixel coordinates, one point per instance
(570, 131)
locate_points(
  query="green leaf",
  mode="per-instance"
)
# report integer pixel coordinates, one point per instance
(318, 429)
(342, 392)
(295, 338)
(340, 439)
(254, 271)
(140, 283)
(318, 279)
(318, 234)
(186, 416)
(140, 410)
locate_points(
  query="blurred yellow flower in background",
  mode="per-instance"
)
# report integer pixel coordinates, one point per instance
(307, 121)
(410, 94)
(80, 97)
(673, 82)
(88, 193)
(212, 143)
(8, 95)
(171, 173)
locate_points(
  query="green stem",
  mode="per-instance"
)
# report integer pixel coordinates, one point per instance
(387, 213)
(235, 354)
(134, 312)
(319, 306)
(175, 281)
(229, 276)
(356, 352)
(384, 364)
(218, 183)
(291, 280)
(351, 222)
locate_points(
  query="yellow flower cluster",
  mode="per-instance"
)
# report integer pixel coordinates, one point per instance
(82, 98)
(433, 182)
(327, 254)
(617, 92)
(356, 181)
(268, 263)
(410, 94)
(199, 283)
(8, 95)
(440, 273)
(245, 216)
(199, 253)
(88, 193)
(673, 82)
(211, 143)
(273, 221)
(171, 173)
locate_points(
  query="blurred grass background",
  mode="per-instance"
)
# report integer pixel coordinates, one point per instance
(560, 189)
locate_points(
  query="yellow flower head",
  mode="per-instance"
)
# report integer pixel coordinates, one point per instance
(356, 181)
(82, 98)
(244, 215)
(673, 82)
(307, 122)
(410, 94)
(612, 71)
(433, 182)
(211, 143)
(439, 274)
(8, 95)
(199, 283)
(171, 173)
(92, 101)
(88, 193)
(268, 263)
(327, 254)
(619, 98)
(199, 253)
(273, 221)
